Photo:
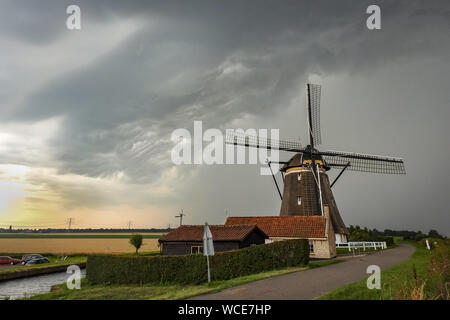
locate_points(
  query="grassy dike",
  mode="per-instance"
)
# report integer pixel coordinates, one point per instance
(163, 291)
(55, 265)
(393, 280)
(54, 261)
(22, 271)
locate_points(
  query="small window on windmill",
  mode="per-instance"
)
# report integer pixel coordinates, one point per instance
(299, 200)
(299, 177)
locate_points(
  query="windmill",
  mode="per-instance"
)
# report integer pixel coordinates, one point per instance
(181, 215)
(307, 188)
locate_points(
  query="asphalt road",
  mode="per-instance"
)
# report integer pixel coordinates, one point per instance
(313, 283)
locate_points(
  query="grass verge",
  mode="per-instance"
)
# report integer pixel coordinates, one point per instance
(163, 291)
(393, 280)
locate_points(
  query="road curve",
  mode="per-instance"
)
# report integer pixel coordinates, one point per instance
(312, 283)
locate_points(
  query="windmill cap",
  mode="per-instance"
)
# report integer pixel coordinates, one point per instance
(298, 159)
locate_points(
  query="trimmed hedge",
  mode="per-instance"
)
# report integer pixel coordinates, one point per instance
(116, 269)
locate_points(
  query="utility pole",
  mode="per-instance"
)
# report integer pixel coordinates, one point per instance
(181, 217)
(69, 222)
(129, 224)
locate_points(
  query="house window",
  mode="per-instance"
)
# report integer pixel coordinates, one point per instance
(299, 177)
(299, 200)
(196, 249)
(311, 246)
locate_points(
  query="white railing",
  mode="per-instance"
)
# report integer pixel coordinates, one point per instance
(362, 245)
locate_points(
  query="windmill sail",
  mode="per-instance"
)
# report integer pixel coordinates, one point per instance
(313, 96)
(242, 139)
(364, 162)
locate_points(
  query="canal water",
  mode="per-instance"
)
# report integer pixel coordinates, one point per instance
(27, 287)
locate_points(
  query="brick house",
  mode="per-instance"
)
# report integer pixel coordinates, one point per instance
(188, 239)
(317, 229)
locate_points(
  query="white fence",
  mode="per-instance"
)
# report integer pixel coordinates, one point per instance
(362, 245)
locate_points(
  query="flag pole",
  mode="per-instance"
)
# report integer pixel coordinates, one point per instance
(209, 273)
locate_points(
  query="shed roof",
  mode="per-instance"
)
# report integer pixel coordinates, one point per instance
(285, 226)
(235, 232)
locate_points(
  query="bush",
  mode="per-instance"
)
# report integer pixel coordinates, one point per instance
(438, 284)
(389, 240)
(434, 283)
(192, 268)
(434, 242)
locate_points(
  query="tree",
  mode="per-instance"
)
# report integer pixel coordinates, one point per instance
(136, 241)
(358, 234)
(434, 234)
(419, 236)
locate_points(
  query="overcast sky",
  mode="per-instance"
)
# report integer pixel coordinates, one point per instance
(75, 105)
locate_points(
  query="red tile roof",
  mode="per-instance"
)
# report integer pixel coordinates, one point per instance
(219, 232)
(285, 226)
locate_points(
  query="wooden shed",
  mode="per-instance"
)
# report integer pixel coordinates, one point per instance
(188, 239)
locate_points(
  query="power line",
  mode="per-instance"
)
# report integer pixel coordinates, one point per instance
(70, 221)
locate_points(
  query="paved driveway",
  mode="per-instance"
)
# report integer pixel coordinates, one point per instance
(313, 283)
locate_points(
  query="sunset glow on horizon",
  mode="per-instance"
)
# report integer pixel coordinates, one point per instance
(41, 198)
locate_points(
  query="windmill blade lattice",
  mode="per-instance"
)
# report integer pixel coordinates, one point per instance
(241, 139)
(314, 92)
(364, 162)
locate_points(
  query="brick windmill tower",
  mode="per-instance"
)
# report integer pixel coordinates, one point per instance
(307, 188)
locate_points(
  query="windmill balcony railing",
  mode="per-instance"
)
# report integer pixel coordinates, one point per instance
(362, 245)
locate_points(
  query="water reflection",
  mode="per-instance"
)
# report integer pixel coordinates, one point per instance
(27, 287)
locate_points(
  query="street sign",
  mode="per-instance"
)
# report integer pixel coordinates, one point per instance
(208, 247)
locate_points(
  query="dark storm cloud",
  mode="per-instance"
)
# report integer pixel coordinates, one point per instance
(216, 61)
(36, 22)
